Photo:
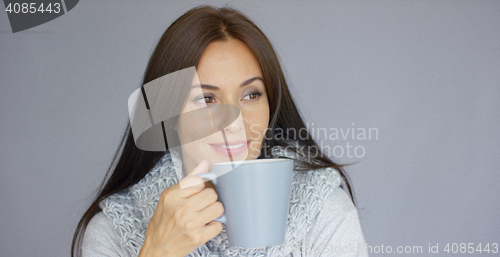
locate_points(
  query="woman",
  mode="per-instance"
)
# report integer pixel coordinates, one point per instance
(142, 211)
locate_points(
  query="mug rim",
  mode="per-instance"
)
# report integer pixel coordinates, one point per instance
(255, 161)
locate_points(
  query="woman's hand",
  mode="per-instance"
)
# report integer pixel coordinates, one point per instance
(184, 217)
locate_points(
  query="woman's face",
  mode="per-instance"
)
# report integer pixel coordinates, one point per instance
(229, 74)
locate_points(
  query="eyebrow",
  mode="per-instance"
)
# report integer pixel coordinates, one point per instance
(244, 83)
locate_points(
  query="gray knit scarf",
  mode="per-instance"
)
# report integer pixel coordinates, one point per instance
(131, 209)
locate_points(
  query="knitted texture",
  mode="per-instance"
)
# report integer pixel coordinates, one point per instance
(131, 209)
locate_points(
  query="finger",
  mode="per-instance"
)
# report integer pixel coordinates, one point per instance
(190, 185)
(209, 231)
(202, 199)
(211, 212)
(212, 229)
(206, 215)
(209, 184)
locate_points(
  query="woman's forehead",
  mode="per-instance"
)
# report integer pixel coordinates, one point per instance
(224, 61)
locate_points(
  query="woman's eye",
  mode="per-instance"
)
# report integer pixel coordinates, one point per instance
(253, 96)
(207, 100)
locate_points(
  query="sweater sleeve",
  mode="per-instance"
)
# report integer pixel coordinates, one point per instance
(336, 230)
(101, 239)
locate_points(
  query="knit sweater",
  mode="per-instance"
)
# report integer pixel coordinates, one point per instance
(322, 220)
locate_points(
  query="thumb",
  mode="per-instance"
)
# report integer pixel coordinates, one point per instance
(201, 168)
(193, 181)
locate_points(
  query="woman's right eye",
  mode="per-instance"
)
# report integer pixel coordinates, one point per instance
(208, 99)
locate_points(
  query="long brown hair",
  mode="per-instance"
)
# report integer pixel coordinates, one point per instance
(181, 46)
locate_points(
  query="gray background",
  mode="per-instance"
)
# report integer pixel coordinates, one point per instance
(424, 73)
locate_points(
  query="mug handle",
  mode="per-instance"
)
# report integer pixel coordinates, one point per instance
(212, 177)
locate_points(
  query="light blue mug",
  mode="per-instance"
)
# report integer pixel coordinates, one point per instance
(256, 198)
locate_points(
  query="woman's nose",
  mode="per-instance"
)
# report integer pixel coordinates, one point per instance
(236, 125)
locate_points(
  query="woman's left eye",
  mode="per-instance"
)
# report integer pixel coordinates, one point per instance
(253, 95)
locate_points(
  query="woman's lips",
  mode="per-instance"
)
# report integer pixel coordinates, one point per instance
(234, 148)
